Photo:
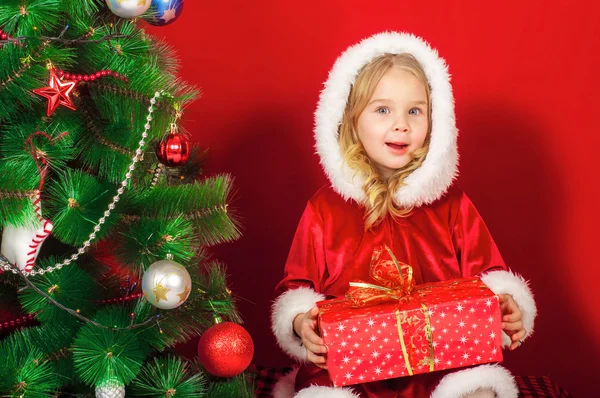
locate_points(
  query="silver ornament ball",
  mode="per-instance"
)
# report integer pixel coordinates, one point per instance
(128, 8)
(166, 284)
(110, 390)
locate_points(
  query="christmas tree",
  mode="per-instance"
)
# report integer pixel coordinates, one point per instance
(106, 220)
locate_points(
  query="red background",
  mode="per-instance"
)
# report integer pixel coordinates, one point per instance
(524, 77)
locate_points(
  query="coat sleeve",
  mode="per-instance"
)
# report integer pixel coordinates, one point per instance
(478, 255)
(300, 288)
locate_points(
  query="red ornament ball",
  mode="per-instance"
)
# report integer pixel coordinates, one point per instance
(226, 349)
(174, 150)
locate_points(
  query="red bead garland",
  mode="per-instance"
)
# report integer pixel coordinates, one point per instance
(22, 320)
(91, 76)
(120, 299)
(4, 35)
(27, 318)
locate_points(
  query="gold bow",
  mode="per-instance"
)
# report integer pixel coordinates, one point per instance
(396, 280)
(397, 283)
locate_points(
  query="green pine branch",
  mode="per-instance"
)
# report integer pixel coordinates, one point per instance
(168, 377)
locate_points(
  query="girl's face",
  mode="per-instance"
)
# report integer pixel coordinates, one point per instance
(395, 122)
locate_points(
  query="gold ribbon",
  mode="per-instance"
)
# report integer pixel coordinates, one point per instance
(397, 284)
(396, 281)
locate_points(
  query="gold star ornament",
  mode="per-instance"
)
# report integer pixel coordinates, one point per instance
(183, 296)
(160, 292)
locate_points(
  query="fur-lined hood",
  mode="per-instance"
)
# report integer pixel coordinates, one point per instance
(429, 182)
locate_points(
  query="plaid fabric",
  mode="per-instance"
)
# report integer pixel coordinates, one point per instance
(265, 378)
(540, 386)
(529, 386)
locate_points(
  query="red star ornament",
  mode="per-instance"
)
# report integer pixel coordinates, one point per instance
(57, 93)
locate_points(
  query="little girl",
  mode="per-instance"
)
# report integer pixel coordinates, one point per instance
(386, 136)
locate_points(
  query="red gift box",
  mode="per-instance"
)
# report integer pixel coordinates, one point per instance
(395, 329)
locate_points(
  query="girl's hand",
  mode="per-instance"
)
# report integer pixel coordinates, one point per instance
(512, 323)
(304, 326)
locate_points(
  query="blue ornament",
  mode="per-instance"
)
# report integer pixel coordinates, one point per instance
(164, 12)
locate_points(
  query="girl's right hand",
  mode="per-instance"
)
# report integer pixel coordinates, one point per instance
(304, 326)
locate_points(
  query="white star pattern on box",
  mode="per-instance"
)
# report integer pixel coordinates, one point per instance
(468, 333)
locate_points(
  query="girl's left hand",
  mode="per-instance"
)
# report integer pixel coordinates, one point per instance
(512, 323)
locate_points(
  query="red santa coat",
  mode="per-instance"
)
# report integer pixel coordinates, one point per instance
(447, 239)
(443, 238)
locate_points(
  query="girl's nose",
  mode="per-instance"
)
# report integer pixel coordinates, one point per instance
(401, 125)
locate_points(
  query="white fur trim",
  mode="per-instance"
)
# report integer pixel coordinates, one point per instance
(430, 181)
(506, 282)
(326, 392)
(456, 384)
(284, 388)
(284, 310)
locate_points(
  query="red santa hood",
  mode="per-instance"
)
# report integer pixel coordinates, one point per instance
(430, 181)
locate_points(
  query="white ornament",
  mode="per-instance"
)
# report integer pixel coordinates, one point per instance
(166, 284)
(21, 245)
(128, 8)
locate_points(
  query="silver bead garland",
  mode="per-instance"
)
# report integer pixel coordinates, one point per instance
(157, 172)
(111, 206)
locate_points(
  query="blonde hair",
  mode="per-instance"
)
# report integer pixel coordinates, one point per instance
(380, 193)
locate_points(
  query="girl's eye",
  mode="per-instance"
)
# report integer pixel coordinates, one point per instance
(414, 111)
(383, 110)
